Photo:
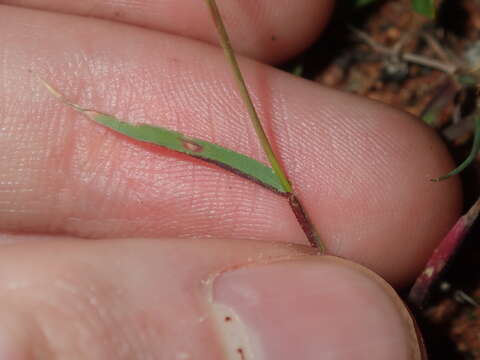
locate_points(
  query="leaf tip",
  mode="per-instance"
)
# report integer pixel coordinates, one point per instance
(447, 176)
(59, 95)
(51, 89)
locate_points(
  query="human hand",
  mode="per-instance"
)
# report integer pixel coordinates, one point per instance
(361, 169)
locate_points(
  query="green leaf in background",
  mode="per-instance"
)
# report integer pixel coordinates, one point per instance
(225, 158)
(473, 153)
(424, 7)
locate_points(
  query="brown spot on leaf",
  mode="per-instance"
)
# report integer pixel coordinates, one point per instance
(191, 145)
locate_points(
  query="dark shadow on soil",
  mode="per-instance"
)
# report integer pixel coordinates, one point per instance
(453, 17)
(336, 41)
(438, 344)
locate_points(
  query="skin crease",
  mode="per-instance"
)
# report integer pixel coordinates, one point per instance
(361, 168)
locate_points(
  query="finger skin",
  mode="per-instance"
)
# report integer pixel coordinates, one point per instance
(268, 30)
(142, 299)
(362, 169)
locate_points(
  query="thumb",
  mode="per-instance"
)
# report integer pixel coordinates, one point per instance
(311, 308)
(191, 299)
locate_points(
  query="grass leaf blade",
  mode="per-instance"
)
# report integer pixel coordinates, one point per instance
(233, 161)
(173, 140)
(473, 154)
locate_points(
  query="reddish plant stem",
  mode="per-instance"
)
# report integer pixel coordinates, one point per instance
(305, 223)
(441, 256)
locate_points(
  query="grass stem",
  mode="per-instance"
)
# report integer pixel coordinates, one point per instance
(295, 204)
(230, 54)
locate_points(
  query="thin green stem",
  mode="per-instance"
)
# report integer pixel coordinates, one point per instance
(473, 154)
(295, 204)
(230, 54)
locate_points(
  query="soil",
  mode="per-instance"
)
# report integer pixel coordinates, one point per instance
(367, 52)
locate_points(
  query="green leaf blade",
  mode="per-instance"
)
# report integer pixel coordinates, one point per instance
(424, 7)
(471, 158)
(225, 158)
(230, 160)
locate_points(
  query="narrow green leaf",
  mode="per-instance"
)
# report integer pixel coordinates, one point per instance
(424, 7)
(225, 158)
(473, 153)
